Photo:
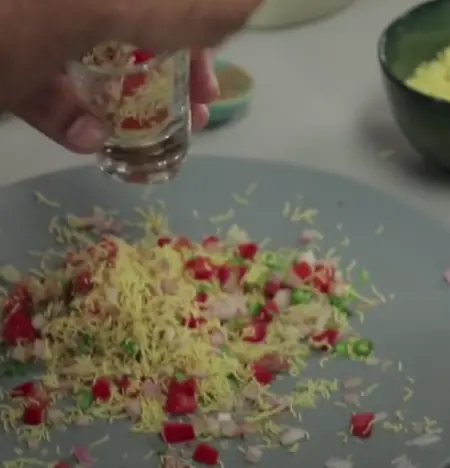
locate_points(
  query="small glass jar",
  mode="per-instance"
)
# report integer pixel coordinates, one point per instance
(145, 101)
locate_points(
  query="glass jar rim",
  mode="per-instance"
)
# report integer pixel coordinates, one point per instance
(129, 69)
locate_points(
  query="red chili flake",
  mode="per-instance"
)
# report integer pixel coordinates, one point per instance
(361, 424)
(201, 297)
(206, 454)
(33, 414)
(303, 270)
(272, 363)
(210, 241)
(193, 322)
(182, 243)
(271, 288)
(177, 433)
(247, 250)
(162, 241)
(18, 327)
(26, 389)
(101, 389)
(323, 277)
(61, 464)
(258, 331)
(82, 283)
(142, 56)
(200, 268)
(327, 339)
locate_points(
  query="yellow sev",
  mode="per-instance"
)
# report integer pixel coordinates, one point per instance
(133, 305)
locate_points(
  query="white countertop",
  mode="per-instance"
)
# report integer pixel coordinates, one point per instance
(319, 102)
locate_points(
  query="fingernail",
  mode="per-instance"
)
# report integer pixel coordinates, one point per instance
(86, 134)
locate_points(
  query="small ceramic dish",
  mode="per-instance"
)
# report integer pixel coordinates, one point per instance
(236, 91)
(416, 37)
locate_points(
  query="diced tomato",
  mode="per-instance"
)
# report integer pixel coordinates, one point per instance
(201, 268)
(110, 247)
(303, 270)
(210, 241)
(132, 82)
(247, 250)
(61, 464)
(21, 291)
(18, 327)
(188, 386)
(255, 332)
(177, 432)
(133, 123)
(82, 283)
(162, 241)
(268, 310)
(34, 414)
(182, 243)
(272, 363)
(206, 454)
(193, 322)
(101, 389)
(201, 297)
(180, 403)
(326, 339)
(323, 277)
(142, 56)
(124, 383)
(262, 375)
(26, 389)
(14, 303)
(271, 288)
(241, 271)
(224, 273)
(361, 424)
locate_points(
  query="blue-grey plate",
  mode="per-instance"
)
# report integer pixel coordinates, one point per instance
(241, 83)
(412, 330)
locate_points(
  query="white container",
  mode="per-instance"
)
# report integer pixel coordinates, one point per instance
(281, 13)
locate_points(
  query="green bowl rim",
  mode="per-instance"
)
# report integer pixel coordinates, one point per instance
(382, 50)
(243, 97)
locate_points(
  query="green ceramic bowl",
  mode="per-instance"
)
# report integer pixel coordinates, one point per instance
(413, 38)
(236, 86)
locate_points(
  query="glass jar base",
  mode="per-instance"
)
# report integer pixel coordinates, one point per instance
(150, 164)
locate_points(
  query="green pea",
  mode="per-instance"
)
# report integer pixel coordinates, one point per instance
(254, 308)
(342, 348)
(202, 288)
(15, 369)
(130, 347)
(85, 400)
(179, 376)
(362, 348)
(301, 297)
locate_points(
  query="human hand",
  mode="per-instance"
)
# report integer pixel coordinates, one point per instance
(56, 110)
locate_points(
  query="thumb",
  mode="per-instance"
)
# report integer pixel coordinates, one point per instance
(56, 110)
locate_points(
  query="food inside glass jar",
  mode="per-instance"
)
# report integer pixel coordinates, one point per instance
(134, 92)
